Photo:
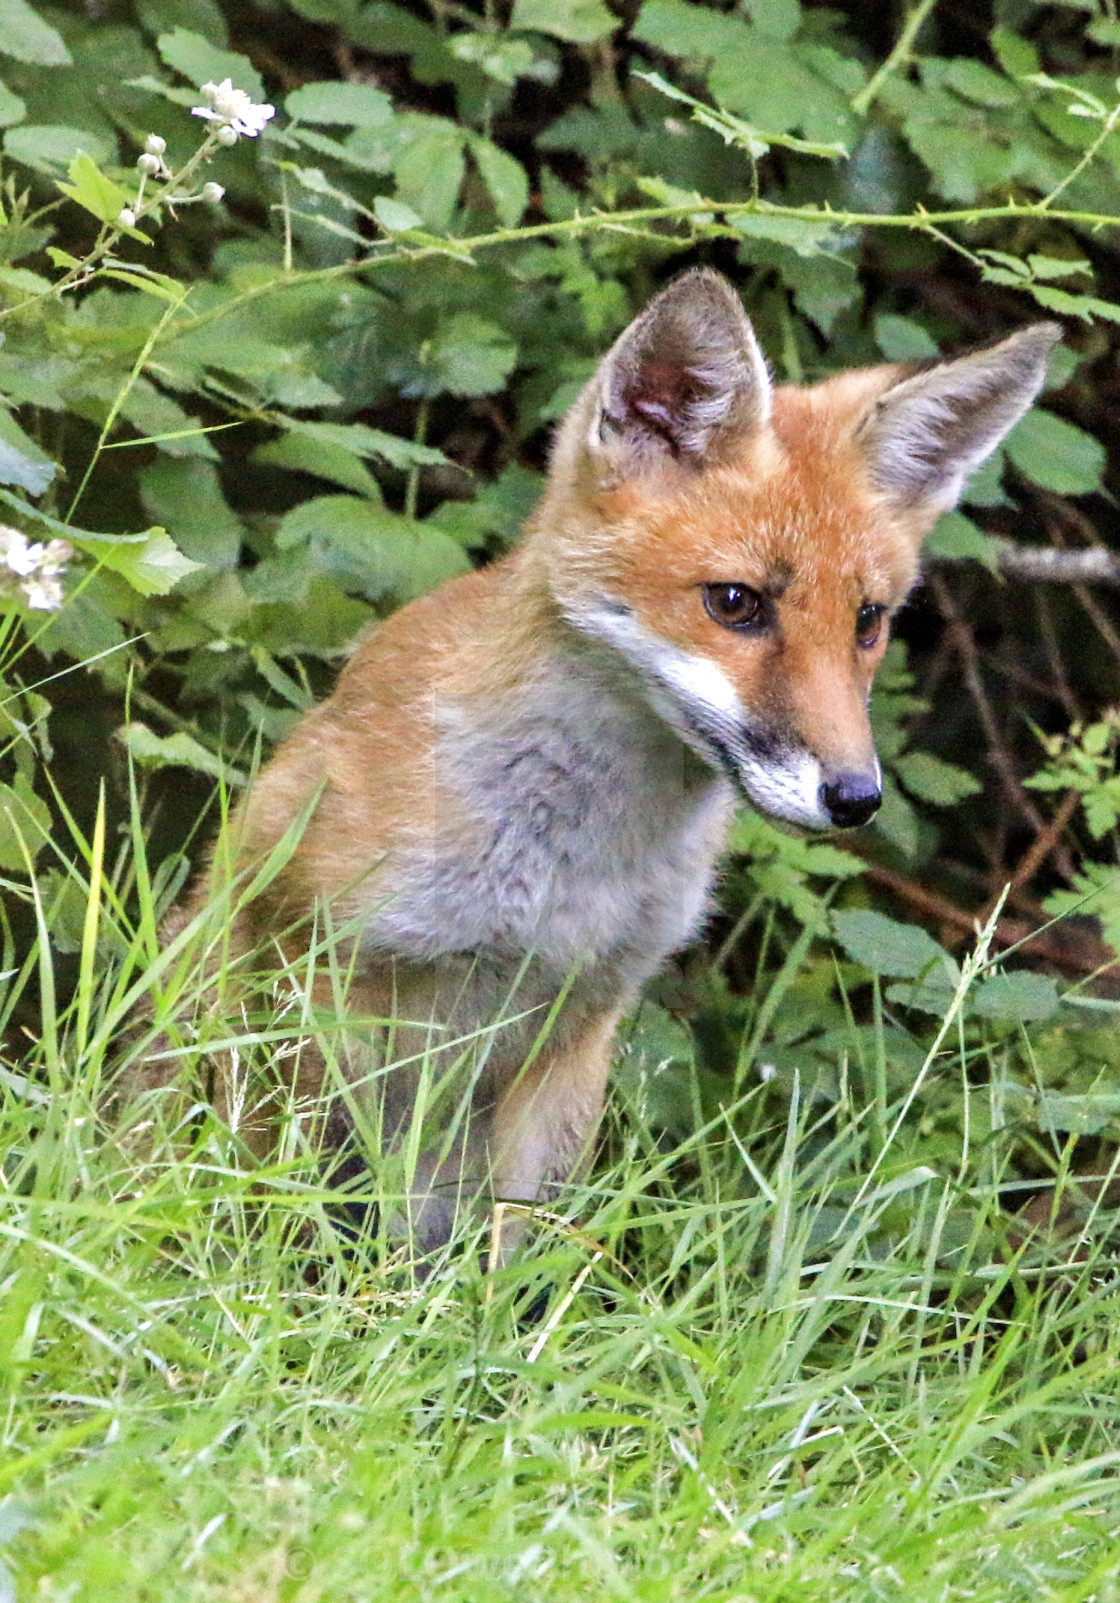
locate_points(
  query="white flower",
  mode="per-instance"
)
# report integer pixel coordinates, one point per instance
(212, 193)
(148, 164)
(155, 145)
(17, 552)
(126, 217)
(233, 109)
(43, 595)
(33, 570)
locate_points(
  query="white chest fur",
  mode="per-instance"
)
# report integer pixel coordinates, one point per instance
(569, 821)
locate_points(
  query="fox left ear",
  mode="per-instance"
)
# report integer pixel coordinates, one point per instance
(927, 433)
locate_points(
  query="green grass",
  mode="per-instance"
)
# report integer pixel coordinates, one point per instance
(789, 1357)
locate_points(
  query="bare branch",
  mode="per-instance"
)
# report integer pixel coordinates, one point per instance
(1051, 565)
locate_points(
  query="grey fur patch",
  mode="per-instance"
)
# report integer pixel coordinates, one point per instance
(929, 432)
(685, 373)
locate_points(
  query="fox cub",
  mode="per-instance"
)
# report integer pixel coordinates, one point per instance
(510, 810)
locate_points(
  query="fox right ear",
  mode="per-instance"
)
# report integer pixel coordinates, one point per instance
(682, 381)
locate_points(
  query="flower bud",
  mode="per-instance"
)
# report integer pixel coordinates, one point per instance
(126, 217)
(148, 164)
(213, 193)
(226, 135)
(154, 145)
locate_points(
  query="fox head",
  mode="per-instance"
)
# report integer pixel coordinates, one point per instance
(740, 549)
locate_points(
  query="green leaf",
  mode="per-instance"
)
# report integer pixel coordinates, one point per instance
(958, 538)
(151, 562)
(500, 57)
(973, 81)
(505, 178)
(12, 109)
(902, 340)
(25, 36)
(394, 216)
(176, 751)
(1095, 892)
(578, 21)
(1021, 995)
(470, 356)
(883, 946)
(321, 458)
(47, 146)
(24, 817)
(185, 495)
(355, 105)
(366, 441)
(805, 235)
(1055, 454)
(201, 62)
(1088, 1114)
(940, 783)
(90, 188)
(365, 548)
(22, 462)
(201, 16)
(429, 173)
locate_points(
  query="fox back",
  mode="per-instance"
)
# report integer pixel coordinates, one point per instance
(511, 809)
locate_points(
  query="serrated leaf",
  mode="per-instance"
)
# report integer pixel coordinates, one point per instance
(505, 178)
(354, 105)
(320, 458)
(201, 62)
(151, 562)
(429, 173)
(394, 216)
(26, 37)
(22, 462)
(1055, 454)
(49, 146)
(885, 947)
(179, 750)
(363, 547)
(940, 783)
(958, 538)
(1021, 995)
(24, 817)
(90, 189)
(576, 21)
(370, 442)
(12, 110)
(470, 356)
(901, 339)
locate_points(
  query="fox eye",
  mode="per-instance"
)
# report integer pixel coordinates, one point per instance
(869, 622)
(735, 606)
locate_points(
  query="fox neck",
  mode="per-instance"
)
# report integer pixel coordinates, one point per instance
(581, 826)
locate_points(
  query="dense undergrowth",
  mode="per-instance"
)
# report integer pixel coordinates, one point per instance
(835, 1315)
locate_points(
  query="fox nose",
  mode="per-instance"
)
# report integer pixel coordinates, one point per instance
(851, 799)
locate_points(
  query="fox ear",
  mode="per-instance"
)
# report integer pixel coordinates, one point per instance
(927, 433)
(684, 379)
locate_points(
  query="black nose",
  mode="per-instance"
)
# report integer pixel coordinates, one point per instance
(851, 799)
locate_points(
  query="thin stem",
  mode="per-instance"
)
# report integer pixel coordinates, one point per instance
(1075, 172)
(898, 57)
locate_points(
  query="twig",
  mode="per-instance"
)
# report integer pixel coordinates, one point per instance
(1094, 564)
(1093, 608)
(1062, 687)
(1071, 950)
(1041, 847)
(1001, 758)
